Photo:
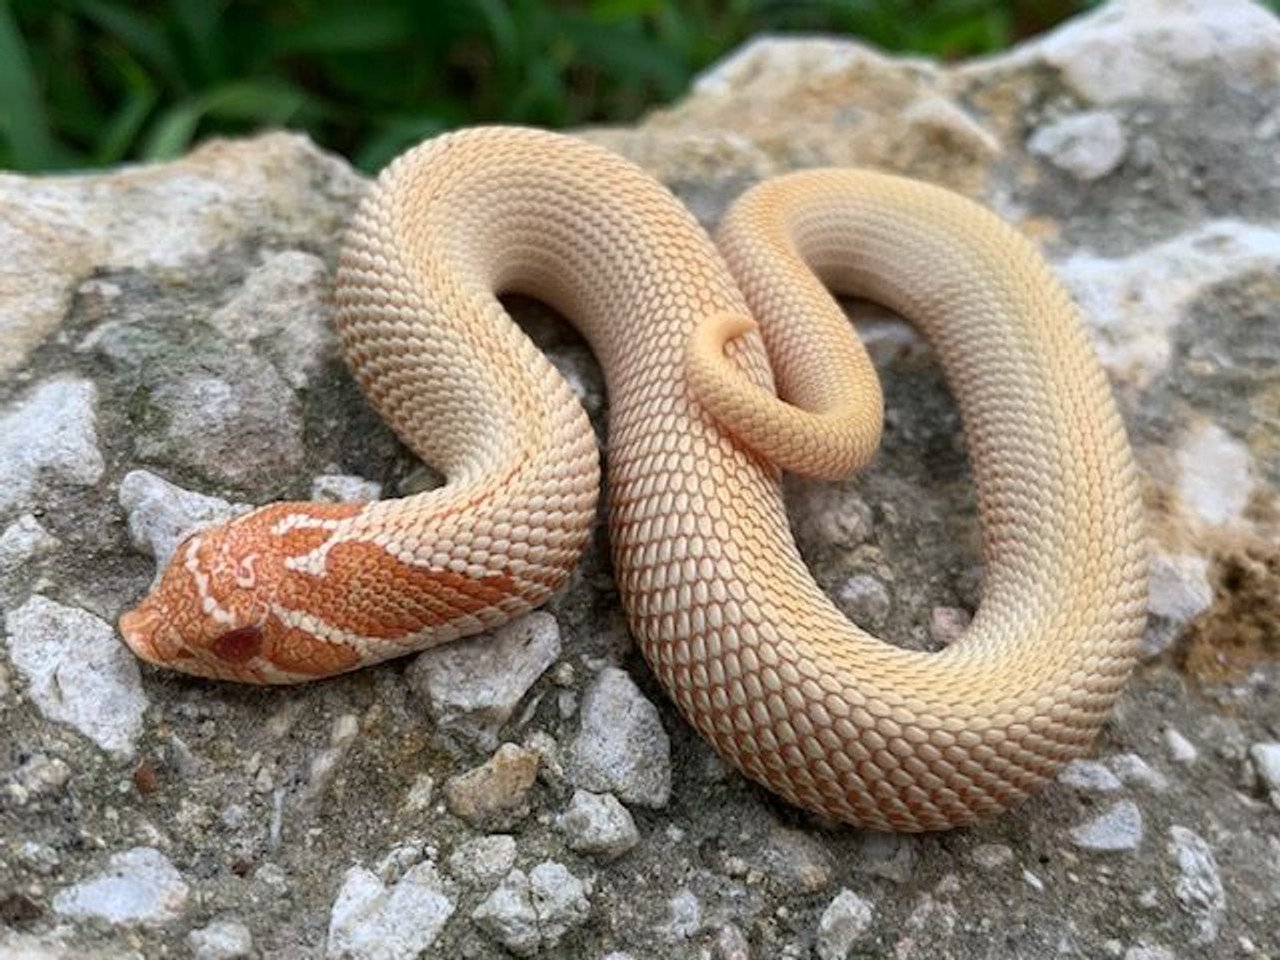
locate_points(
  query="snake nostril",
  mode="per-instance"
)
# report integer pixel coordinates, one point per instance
(238, 646)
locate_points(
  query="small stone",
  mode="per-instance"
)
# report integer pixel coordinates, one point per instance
(796, 862)
(866, 600)
(1133, 771)
(139, 886)
(1032, 881)
(1266, 763)
(846, 920)
(482, 862)
(889, 856)
(283, 309)
(991, 856)
(1087, 145)
(373, 921)
(1217, 480)
(420, 793)
(344, 488)
(730, 944)
(1199, 887)
(1118, 829)
(161, 514)
(1149, 952)
(473, 686)
(621, 747)
(495, 794)
(49, 438)
(22, 541)
(948, 624)
(39, 858)
(1088, 776)
(37, 776)
(77, 672)
(684, 916)
(221, 940)
(532, 912)
(596, 823)
(1181, 750)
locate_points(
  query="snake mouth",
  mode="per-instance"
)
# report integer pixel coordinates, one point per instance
(147, 632)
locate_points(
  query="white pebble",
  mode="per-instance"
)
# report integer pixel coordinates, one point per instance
(1117, 829)
(846, 920)
(138, 886)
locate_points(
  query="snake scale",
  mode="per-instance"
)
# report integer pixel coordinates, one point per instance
(725, 364)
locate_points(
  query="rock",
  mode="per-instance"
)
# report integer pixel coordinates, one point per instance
(139, 886)
(36, 776)
(1118, 829)
(684, 916)
(596, 823)
(1133, 771)
(846, 920)
(1154, 49)
(948, 624)
(991, 857)
(1146, 294)
(344, 488)
(1266, 763)
(22, 541)
(1181, 750)
(889, 856)
(77, 672)
(730, 944)
(1179, 591)
(231, 424)
(1199, 885)
(1088, 776)
(1086, 145)
(49, 438)
(621, 747)
(1149, 952)
(866, 600)
(221, 940)
(283, 309)
(796, 862)
(1217, 476)
(495, 794)
(161, 514)
(472, 687)
(532, 912)
(371, 921)
(279, 190)
(482, 862)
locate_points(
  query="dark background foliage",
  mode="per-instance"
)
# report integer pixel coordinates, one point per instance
(90, 82)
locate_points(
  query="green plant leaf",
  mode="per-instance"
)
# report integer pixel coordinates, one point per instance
(22, 115)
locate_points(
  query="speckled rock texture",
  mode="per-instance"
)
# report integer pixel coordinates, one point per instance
(165, 358)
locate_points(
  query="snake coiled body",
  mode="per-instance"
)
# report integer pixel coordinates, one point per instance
(694, 340)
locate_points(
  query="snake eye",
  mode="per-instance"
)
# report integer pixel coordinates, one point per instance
(238, 646)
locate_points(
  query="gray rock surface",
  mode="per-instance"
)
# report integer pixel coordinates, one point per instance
(174, 319)
(138, 886)
(49, 437)
(596, 823)
(621, 746)
(531, 913)
(472, 688)
(374, 921)
(77, 672)
(846, 920)
(1117, 829)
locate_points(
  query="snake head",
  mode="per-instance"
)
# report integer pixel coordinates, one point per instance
(222, 607)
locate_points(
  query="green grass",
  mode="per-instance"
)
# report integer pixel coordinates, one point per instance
(92, 82)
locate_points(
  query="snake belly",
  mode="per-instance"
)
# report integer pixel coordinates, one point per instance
(723, 365)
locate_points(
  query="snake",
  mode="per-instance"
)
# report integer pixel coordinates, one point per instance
(726, 363)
